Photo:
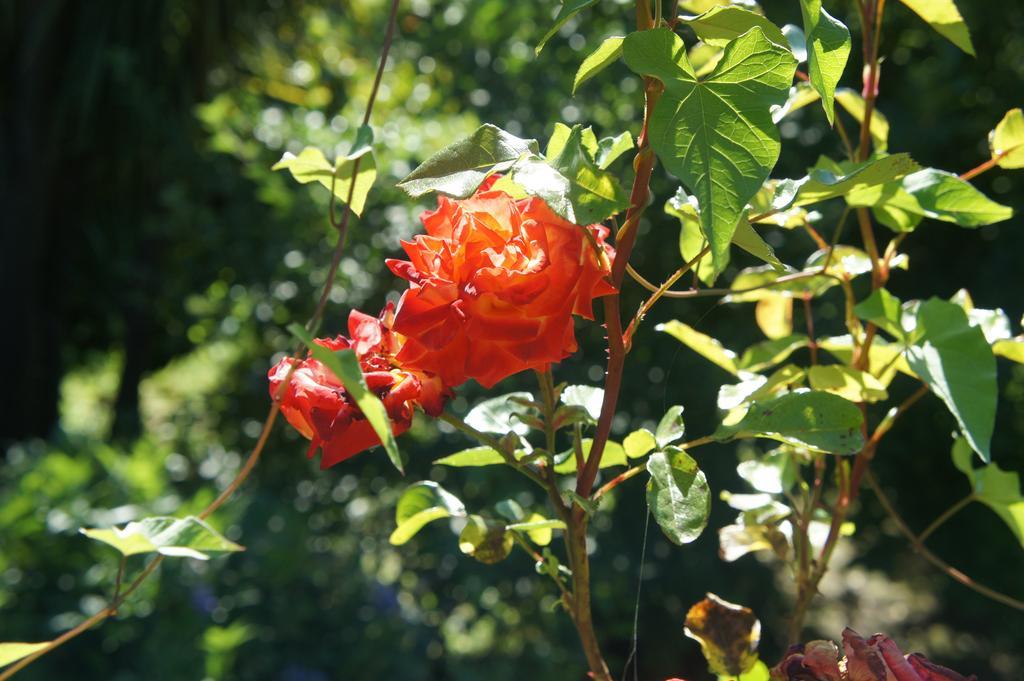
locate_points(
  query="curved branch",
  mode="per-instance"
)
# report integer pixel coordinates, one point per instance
(925, 553)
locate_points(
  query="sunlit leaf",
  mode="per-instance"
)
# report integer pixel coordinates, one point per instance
(956, 362)
(934, 194)
(12, 652)
(828, 180)
(420, 504)
(828, 48)
(186, 537)
(773, 473)
(944, 17)
(569, 179)
(722, 24)
(485, 540)
(728, 635)
(1006, 141)
(856, 107)
(609, 50)
(458, 169)
(716, 133)
(588, 397)
(1010, 349)
(345, 366)
(498, 414)
(812, 419)
(736, 541)
(537, 528)
(639, 443)
(678, 495)
(475, 456)
(848, 383)
(312, 166)
(613, 455)
(884, 310)
(702, 344)
(671, 427)
(771, 352)
(774, 316)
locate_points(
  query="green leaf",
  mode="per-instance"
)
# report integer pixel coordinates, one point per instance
(498, 415)
(671, 426)
(800, 95)
(850, 384)
(613, 455)
(185, 537)
(421, 503)
(756, 283)
(886, 358)
(944, 17)
(1006, 141)
(747, 238)
(998, 489)
(736, 541)
(569, 180)
(773, 473)
(855, 106)
(458, 169)
(610, 148)
(884, 310)
(588, 397)
(828, 180)
(716, 133)
(345, 366)
(312, 166)
(812, 419)
(956, 362)
(1010, 349)
(609, 50)
(537, 528)
(704, 345)
(485, 540)
(678, 495)
(828, 43)
(774, 316)
(722, 24)
(934, 194)
(475, 456)
(995, 324)
(12, 652)
(569, 9)
(639, 443)
(771, 352)
(757, 387)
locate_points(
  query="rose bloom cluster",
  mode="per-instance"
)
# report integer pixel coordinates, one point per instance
(493, 287)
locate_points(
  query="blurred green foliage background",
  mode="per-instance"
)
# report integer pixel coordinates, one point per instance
(150, 261)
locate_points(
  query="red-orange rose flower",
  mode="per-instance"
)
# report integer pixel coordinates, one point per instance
(493, 286)
(317, 405)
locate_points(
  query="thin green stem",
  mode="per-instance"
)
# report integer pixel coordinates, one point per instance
(946, 515)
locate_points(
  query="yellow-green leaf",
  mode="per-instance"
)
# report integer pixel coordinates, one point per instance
(12, 652)
(187, 537)
(1006, 141)
(944, 17)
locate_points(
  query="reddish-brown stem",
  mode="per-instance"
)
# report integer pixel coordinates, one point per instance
(809, 319)
(979, 169)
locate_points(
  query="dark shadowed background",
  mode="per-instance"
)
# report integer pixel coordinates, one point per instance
(150, 260)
